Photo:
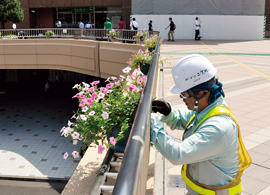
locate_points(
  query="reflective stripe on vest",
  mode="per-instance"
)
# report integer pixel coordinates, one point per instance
(235, 186)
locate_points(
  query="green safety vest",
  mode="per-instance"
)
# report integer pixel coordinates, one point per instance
(235, 186)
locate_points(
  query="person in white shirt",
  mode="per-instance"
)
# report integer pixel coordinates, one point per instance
(197, 28)
(14, 26)
(134, 25)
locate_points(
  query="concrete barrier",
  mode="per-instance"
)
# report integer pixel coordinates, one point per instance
(100, 59)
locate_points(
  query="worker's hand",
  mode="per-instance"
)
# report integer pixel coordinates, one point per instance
(161, 106)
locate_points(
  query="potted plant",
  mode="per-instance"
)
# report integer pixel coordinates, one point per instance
(113, 34)
(49, 33)
(150, 43)
(140, 36)
(141, 59)
(102, 110)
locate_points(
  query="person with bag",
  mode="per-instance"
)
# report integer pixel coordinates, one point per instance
(171, 31)
(211, 151)
(134, 25)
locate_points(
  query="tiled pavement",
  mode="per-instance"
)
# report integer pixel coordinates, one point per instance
(246, 80)
(30, 142)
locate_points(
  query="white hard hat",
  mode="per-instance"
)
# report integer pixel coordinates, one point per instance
(190, 71)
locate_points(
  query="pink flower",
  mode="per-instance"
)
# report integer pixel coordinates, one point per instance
(81, 96)
(113, 78)
(132, 87)
(100, 149)
(105, 115)
(94, 83)
(88, 101)
(65, 155)
(75, 154)
(112, 141)
(126, 102)
(91, 89)
(75, 135)
(142, 80)
(109, 85)
(92, 113)
(84, 109)
(117, 83)
(104, 90)
(93, 96)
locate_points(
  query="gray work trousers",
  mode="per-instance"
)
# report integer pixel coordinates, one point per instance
(171, 32)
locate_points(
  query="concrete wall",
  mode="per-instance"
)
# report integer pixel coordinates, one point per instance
(113, 57)
(215, 27)
(101, 59)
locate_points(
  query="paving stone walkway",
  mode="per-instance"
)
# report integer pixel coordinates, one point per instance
(246, 80)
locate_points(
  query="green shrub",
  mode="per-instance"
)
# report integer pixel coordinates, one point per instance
(49, 33)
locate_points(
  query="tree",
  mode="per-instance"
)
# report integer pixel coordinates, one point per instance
(10, 10)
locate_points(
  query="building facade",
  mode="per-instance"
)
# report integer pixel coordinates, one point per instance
(44, 14)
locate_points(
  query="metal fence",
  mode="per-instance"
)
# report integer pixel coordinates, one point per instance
(132, 176)
(124, 35)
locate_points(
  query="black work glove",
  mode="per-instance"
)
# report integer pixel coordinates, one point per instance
(161, 106)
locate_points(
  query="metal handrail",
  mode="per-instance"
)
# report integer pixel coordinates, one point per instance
(68, 33)
(128, 176)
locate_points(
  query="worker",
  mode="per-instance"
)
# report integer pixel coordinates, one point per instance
(211, 151)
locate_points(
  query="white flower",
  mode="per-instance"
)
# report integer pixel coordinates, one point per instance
(65, 155)
(105, 115)
(85, 85)
(83, 117)
(75, 154)
(76, 86)
(92, 113)
(122, 78)
(100, 95)
(69, 123)
(74, 116)
(84, 109)
(126, 70)
(113, 78)
(75, 135)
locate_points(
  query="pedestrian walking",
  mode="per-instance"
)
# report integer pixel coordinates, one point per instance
(121, 24)
(134, 25)
(14, 27)
(150, 28)
(197, 29)
(211, 151)
(171, 31)
(107, 24)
